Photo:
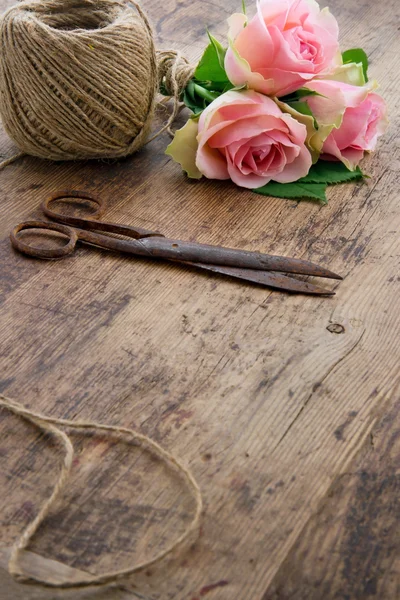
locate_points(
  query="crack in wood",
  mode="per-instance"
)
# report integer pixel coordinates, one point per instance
(317, 386)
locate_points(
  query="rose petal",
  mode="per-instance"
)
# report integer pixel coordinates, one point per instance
(250, 181)
(236, 23)
(285, 44)
(378, 122)
(330, 149)
(351, 73)
(250, 102)
(244, 129)
(275, 13)
(297, 169)
(183, 148)
(351, 157)
(353, 125)
(240, 73)
(327, 22)
(253, 42)
(254, 144)
(211, 162)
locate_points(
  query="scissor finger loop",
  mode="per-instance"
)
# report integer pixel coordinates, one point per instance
(64, 195)
(93, 222)
(38, 252)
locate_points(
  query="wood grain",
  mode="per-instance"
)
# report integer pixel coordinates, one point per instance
(350, 547)
(267, 406)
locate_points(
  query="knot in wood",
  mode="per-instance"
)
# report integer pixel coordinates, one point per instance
(335, 328)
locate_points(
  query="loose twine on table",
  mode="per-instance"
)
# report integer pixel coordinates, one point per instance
(79, 79)
(48, 425)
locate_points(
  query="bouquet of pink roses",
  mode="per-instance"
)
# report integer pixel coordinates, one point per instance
(280, 111)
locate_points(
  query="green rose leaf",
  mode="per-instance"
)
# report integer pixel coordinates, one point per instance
(313, 185)
(190, 99)
(298, 95)
(209, 79)
(331, 172)
(296, 190)
(211, 65)
(196, 96)
(356, 55)
(295, 101)
(199, 94)
(304, 109)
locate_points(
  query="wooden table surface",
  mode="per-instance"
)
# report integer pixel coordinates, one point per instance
(290, 429)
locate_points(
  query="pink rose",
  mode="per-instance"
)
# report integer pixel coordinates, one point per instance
(243, 136)
(285, 45)
(356, 117)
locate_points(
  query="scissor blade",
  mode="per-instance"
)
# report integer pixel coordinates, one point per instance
(178, 250)
(274, 280)
(159, 247)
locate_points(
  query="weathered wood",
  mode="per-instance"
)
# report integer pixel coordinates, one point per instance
(350, 548)
(35, 565)
(253, 389)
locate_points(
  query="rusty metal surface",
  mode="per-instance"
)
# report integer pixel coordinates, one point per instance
(253, 267)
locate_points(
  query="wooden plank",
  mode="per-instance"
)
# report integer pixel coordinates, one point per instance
(37, 565)
(350, 548)
(262, 401)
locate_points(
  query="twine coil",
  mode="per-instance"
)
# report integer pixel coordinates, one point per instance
(79, 78)
(53, 426)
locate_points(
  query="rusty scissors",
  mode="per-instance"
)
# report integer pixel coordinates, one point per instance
(264, 269)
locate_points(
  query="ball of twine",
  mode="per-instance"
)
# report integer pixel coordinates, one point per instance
(79, 78)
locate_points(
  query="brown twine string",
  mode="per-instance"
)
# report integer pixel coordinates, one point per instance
(48, 425)
(175, 72)
(79, 79)
(8, 161)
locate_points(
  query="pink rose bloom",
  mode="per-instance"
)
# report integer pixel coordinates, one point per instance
(287, 43)
(357, 116)
(245, 137)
